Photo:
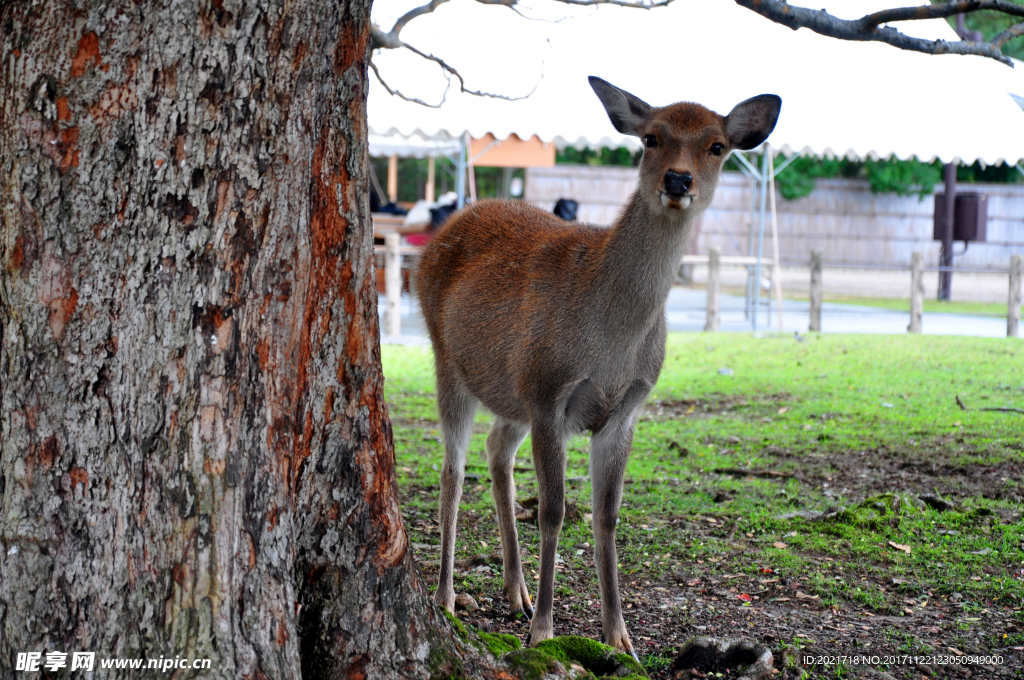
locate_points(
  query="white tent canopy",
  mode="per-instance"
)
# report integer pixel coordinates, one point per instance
(413, 146)
(852, 99)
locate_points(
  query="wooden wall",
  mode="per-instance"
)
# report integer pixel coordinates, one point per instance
(841, 217)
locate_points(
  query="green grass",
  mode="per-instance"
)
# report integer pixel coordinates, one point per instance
(826, 411)
(994, 309)
(931, 306)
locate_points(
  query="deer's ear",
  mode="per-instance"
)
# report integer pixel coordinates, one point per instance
(750, 122)
(627, 112)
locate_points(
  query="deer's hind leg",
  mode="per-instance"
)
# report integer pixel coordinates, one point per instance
(502, 444)
(456, 407)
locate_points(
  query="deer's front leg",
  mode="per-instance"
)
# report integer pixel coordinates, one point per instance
(455, 407)
(549, 463)
(609, 451)
(502, 444)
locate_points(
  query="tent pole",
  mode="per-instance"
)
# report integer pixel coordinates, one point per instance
(460, 175)
(749, 302)
(777, 269)
(393, 178)
(946, 253)
(430, 179)
(470, 172)
(760, 232)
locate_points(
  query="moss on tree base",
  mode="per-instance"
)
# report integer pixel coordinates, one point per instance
(588, 658)
(570, 656)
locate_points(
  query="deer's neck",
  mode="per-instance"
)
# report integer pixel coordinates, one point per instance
(640, 264)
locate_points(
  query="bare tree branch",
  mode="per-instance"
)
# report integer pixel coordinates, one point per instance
(941, 11)
(396, 93)
(618, 3)
(1009, 34)
(390, 40)
(462, 83)
(867, 28)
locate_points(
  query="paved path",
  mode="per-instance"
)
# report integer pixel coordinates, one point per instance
(685, 311)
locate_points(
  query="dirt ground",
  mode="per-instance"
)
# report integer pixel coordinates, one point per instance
(699, 598)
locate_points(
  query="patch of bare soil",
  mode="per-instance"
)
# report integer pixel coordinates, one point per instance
(872, 471)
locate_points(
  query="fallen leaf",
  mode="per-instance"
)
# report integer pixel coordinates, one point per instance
(956, 651)
(783, 410)
(695, 582)
(899, 546)
(781, 599)
(805, 596)
(780, 545)
(744, 597)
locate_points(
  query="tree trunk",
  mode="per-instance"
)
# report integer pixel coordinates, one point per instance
(196, 453)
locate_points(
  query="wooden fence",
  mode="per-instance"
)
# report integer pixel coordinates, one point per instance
(393, 253)
(714, 261)
(841, 217)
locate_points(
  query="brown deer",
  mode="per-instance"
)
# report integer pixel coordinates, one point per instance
(560, 328)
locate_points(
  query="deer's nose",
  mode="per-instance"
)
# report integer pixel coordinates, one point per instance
(677, 183)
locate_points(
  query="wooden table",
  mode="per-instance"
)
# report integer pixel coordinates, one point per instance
(385, 223)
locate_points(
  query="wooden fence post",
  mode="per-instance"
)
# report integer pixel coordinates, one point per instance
(714, 283)
(1013, 304)
(392, 285)
(916, 291)
(816, 292)
(393, 179)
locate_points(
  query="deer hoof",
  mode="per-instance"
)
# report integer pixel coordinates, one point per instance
(445, 602)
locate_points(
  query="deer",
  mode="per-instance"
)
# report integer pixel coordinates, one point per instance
(558, 328)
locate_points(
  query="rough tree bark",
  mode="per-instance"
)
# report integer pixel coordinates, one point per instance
(196, 454)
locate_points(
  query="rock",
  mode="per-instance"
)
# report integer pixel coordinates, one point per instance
(466, 601)
(682, 450)
(740, 655)
(872, 674)
(725, 370)
(956, 597)
(937, 503)
(572, 513)
(527, 511)
(802, 514)
(527, 515)
(814, 515)
(479, 561)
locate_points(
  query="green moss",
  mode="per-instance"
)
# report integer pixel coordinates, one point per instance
(532, 663)
(459, 627)
(600, 660)
(499, 643)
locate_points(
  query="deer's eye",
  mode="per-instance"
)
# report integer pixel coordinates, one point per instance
(716, 149)
(650, 141)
